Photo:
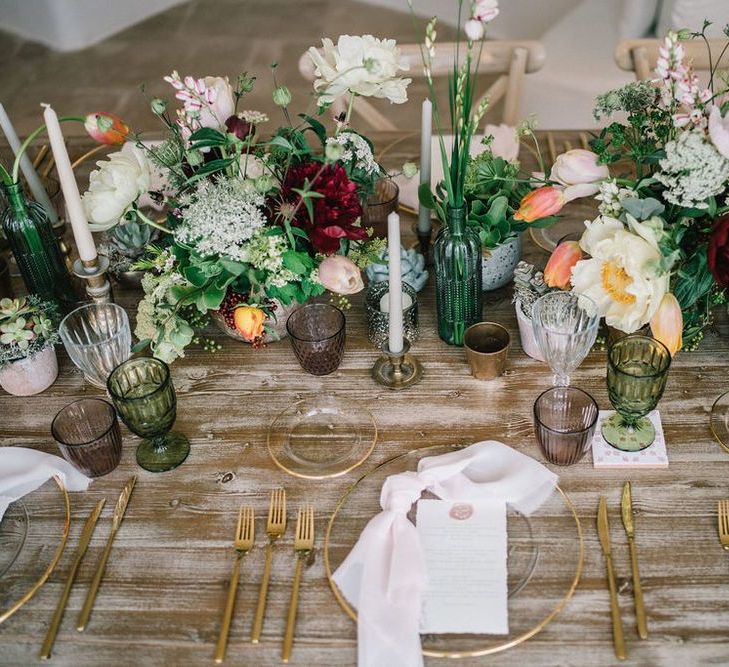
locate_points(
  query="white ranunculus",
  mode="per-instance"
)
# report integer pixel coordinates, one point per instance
(364, 65)
(115, 186)
(223, 105)
(621, 275)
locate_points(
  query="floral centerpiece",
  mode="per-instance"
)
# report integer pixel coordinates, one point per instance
(28, 332)
(657, 253)
(253, 224)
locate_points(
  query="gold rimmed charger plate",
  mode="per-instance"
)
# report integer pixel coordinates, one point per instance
(540, 585)
(321, 437)
(26, 597)
(719, 420)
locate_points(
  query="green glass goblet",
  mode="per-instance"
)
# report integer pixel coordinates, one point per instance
(636, 377)
(143, 395)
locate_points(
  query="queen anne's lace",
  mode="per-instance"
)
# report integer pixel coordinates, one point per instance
(221, 218)
(356, 150)
(692, 171)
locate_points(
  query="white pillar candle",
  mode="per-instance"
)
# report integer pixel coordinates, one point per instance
(385, 302)
(80, 226)
(31, 175)
(426, 132)
(393, 257)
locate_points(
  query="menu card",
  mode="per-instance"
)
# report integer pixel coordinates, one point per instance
(465, 548)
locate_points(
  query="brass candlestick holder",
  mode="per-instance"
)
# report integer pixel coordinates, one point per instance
(93, 272)
(397, 370)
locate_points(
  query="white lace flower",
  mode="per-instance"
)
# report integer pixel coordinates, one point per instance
(356, 150)
(363, 65)
(224, 215)
(692, 171)
(254, 117)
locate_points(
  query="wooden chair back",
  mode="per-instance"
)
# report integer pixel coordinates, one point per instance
(510, 61)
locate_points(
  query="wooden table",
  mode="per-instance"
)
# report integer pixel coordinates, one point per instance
(161, 600)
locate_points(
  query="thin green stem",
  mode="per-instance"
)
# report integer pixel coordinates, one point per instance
(150, 222)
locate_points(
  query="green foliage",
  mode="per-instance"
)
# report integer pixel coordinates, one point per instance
(27, 325)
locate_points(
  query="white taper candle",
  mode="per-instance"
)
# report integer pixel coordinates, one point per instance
(80, 226)
(395, 283)
(426, 132)
(31, 175)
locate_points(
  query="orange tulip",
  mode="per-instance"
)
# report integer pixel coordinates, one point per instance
(558, 271)
(249, 322)
(667, 323)
(540, 203)
(106, 128)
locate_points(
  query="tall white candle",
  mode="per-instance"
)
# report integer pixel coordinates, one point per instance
(395, 284)
(80, 226)
(31, 175)
(426, 132)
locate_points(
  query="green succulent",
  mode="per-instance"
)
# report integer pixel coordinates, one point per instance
(131, 238)
(16, 333)
(12, 308)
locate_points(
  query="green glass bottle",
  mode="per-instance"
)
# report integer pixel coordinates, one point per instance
(30, 236)
(457, 260)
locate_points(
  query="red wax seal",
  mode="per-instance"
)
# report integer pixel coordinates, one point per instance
(461, 511)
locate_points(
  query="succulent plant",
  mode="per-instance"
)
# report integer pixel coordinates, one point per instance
(412, 267)
(10, 308)
(16, 333)
(529, 285)
(27, 325)
(131, 238)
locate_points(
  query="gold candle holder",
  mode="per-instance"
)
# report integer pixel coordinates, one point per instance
(93, 272)
(397, 370)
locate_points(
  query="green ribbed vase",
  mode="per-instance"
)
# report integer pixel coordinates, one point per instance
(457, 260)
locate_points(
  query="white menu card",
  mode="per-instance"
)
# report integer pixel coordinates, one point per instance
(465, 548)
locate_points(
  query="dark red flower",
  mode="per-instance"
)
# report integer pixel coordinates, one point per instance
(239, 127)
(717, 254)
(335, 213)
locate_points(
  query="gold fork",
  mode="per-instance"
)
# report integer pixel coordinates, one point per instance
(303, 544)
(724, 523)
(243, 543)
(275, 528)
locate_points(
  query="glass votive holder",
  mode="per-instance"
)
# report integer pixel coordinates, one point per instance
(379, 205)
(564, 423)
(317, 332)
(378, 320)
(97, 337)
(88, 435)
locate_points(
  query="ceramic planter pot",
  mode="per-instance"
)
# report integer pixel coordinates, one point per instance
(278, 326)
(498, 264)
(31, 375)
(526, 333)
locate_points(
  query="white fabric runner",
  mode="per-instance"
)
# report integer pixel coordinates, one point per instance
(23, 470)
(384, 575)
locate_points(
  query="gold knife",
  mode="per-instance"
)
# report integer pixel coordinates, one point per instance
(626, 509)
(86, 533)
(121, 506)
(603, 531)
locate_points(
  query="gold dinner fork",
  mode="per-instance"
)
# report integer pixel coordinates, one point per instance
(243, 543)
(303, 544)
(724, 523)
(275, 528)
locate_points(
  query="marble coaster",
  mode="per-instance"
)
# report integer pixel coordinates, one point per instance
(605, 455)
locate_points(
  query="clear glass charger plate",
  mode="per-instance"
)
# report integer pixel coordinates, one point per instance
(321, 437)
(545, 558)
(719, 420)
(548, 238)
(33, 535)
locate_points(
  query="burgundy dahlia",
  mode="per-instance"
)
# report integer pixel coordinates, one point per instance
(717, 253)
(335, 212)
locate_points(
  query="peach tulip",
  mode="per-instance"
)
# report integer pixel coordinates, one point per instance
(249, 322)
(340, 275)
(540, 203)
(667, 323)
(106, 128)
(558, 272)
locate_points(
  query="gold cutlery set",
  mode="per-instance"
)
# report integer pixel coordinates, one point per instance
(723, 518)
(86, 534)
(603, 531)
(243, 542)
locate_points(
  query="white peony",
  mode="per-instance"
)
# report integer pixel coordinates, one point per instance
(365, 66)
(621, 275)
(115, 186)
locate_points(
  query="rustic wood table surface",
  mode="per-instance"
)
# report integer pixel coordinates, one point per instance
(161, 600)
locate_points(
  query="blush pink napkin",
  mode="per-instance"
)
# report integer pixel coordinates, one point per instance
(384, 575)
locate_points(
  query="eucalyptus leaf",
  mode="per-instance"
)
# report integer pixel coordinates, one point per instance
(642, 209)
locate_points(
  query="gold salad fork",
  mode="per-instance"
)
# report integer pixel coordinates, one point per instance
(303, 544)
(723, 517)
(275, 528)
(243, 543)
